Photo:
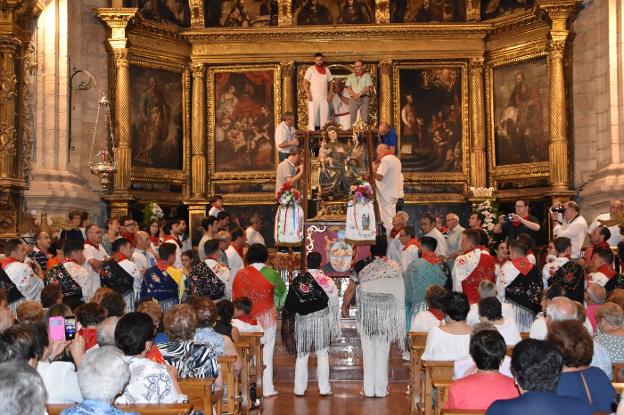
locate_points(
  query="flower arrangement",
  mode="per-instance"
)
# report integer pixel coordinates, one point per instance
(489, 211)
(288, 196)
(152, 212)
(361, 192)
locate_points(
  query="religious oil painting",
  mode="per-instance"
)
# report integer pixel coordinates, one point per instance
(429, 116)
(426, 11)
(242, 214)
(521, 120)
(496, 8)
(240, 13)
(156, 118)
(167, 11)
(328, 239)
(333, 12)
(244, 121)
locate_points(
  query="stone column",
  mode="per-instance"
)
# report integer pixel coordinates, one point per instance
(559, 11)
(116, 20)
(385, 92)
(478, 169)
(289, 92)
(198, 140)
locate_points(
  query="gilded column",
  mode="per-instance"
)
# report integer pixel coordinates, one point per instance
(197, 14)
(473, 10)
(559, 12)
(382, 11)
(8, 128)
(288, 86)
(478, 169)
(284, 13)
(198, 138)
(385, 92)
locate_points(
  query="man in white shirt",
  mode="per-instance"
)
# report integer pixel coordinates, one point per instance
(558, 309)
(563, 246)
(142, 257)
(409, 246)
(94, 254)
(22, 275)
(395, 247)
(389, 180)
(315, 84)
(615, 208)
(285, 136)
(358, 86)
(428, 227)
(235, 255)
(210, 231)
(340, 106)
(122, 255)
(289, 171)
(173, 230)
(253, 231)
(453, 238)
(570, 224)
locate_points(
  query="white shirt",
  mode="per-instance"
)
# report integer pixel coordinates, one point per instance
(83, 277)
(178, 254)
(149, 383)
(598, 278)
(473, 315)
(539, 329)
(143, 260)
(408, 256)
(221, 271)
(446, 346)
(236, 264)
(200, 248)
(437, 235)
(509, 331)
(552, 267)
(390, 188)
(214, 211)
(318, 82)
(253, 236)
(61, 382)
(575, 230)
(395, 250)
(284, 134)
(453, 239)
(424, 321)
(25, 279)
(98, 254)
(615, 238)
(131, 268)
(246, 327)
(466, 366)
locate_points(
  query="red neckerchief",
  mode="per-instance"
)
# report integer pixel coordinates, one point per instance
(6, 261)
(118, 257)
(601, 244)
(66, 260)
(411, 242)
(154, 355)
(89, 242)
(89, 335)
(389, 153)
(530, 252)
(320, 69)
(395, 232)
(173, 238)
(162, 265)
(155, 240)
(443, 229)
(522, 264)
(436, 313)
(431, 257)
(127, 236)
(238, 250)
(501, 262)
(607, 270)
(517, 223)
(247, 319)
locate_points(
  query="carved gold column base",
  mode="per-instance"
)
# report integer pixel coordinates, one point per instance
(119, 204)
(478, 169)
(196, 212)
(199, 177)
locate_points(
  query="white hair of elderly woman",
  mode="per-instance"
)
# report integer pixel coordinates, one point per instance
(21, 390)
(103, 374)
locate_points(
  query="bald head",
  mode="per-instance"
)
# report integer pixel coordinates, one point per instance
(561, 309)
(595, 294)
(616, 206)
(381, 150)
(142, 240)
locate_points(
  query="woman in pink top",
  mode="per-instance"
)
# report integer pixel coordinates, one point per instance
(478, 391)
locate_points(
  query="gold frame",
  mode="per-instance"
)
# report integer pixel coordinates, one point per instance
(213, 175)
(436, 177)
(155, 174)
(373, 102)
(512, 171)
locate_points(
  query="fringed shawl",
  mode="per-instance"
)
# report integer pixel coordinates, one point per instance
(419, 276)
(12, 292)
(113, 276)
(249, 282)
(381, 301)
(205, 283)
(525, 294)
(572, 278)
(58, 275)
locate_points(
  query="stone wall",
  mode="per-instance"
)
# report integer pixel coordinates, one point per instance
(66, 37)
(597, 99)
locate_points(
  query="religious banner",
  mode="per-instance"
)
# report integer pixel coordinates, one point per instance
(289, 217)
(430, 117)
(333, 12)
(521, 103)
(156, 118)
(244, 108)
(423, 11)
(240, 13)
(360, 224)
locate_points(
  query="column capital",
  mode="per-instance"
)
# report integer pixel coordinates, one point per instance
(198, 70)
(386, 67)
(288, 68)
(116, 20)
(476, 63)
(121, 57)
(559, 11)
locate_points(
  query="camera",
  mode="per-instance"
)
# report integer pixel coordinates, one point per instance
(508, 217)
(557, 209)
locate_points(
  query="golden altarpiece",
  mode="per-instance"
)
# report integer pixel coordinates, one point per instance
(475, 92)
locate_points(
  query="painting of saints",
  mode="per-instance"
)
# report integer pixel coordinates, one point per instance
(426, 11)
(156, 118)
(520, 106)
(430, 120)
(168, 11)
(244, 121)
(240, 13)
(327, 12)
(495, 8)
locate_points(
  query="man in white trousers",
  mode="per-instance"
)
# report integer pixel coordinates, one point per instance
(389, 181)
(381, 314)
(316, 85)
(312, 305)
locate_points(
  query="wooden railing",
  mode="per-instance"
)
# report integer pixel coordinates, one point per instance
(199, 393)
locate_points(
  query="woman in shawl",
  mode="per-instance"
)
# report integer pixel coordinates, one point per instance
(160, 282)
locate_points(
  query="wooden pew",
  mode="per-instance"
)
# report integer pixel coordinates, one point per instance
(438, 375)
(243, 348)
(256, 370)
(147, 409)
(198, 393)
(616, 372)
(417, 347)
(619, 387)
(230, 403)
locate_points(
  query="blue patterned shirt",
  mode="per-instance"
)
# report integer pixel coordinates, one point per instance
(95, 408)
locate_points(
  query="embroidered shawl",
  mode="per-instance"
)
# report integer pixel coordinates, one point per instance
(12, 292)
(525, 291)
(470, 269)
(419, 276)
(572, 278)
(58, 275)
(249, 282)
(159, 285)
(205, 283)
(617, 281)
(113, 276)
